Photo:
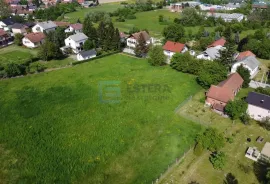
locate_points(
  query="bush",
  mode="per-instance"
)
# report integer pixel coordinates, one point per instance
(229, 140)
(198, 150)
(120, 19)
(218, 160)
(13, 69)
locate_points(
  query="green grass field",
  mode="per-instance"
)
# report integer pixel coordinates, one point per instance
(82, 12)
(54, 128)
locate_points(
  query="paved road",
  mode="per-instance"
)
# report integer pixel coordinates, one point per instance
(255, 84)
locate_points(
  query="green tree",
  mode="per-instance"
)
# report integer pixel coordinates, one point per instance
(264, 51)
(236, 109)
(48, 51)
(12, 69)
(230, 179)
(259, 34)
(156, 56)
(211, 139)
(244, 73)
(18, 39)
(57, 37)
(174, 32)
(160, 18)
(141, 47)
(237, 38)
(226, 54)
(116, 41)
(211, 73)
(101, 33)
(88, 45)
(218, 160)
(4, 9)
(89, 29)
(185, 63)
(198, 150)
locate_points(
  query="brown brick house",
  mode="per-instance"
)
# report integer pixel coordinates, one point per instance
(218, 96)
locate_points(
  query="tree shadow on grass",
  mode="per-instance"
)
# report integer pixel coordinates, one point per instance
(260, 170)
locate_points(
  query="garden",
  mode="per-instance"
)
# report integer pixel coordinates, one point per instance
(55, 129)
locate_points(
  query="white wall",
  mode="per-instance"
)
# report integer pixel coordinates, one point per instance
(26, 42)
(257, 113)
(203, 56)
(37, 28)
(16, 31)
(74, 45)
(131, 42)
(70, 29)
(236, 65)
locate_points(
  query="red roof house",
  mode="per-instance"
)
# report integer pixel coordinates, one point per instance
(4, 38)
(219, 42)
(218, 96)
(243, 55)
(174, 47)
(33, 40)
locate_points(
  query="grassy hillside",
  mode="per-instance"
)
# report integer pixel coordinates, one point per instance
(54, 128)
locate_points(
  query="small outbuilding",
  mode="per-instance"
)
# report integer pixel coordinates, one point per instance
(88, 54)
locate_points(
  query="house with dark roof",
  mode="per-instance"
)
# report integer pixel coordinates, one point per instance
(87, 54)
(249, 62)
(18, 28)
(170, 48)
(33, 40)
(133, 39)
(219, 95)
(76, 28)
(258, 106)
(44, 27)
(7, 23)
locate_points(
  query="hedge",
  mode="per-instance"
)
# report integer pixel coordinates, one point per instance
(98, 57)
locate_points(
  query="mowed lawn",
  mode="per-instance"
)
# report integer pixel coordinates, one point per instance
(148, 20)
(54, 128)
(82, 12)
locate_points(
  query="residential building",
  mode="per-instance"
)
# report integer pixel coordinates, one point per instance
(213, 50)
(62, 24)
(249, 62)
(170, 48)
(76, 41)
(76, 28)
(242, 55)
(6, 24)
(253, 153)
(218, 96)
(258, 106)
(18, 28)
(265, 153)
(133, 39)
(260, 4)
(44, 27)
(177, 7)
(88, 54)
(5, 38)
(232, 6)
(226, 16)
(33, 40)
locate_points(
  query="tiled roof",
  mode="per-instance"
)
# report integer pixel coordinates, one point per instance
(232, 82)
(244, 54)
(62, 24)
(144, 34)
(76, 26)
(173, 46)
(219, 42)
(2, 32)
(35, 37)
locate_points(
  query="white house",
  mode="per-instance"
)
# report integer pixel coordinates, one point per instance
(170, 48)
(258, 106)
(33, 40)
(133, 39)
(88, 54)
(44, 27)
(6, 24)
(211, 53)
(77, 28)
(250, 63)
(18, 28)
(265, 153)
(76, 41)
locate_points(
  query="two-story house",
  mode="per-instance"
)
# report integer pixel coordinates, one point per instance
(18, 28)
(132, 40)
(5, 38)
(75, 42)
(33, 40)
(170, 48)
(258, 106)
(44, 27)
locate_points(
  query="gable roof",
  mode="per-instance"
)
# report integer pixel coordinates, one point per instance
(76, 26)
(144, 34)
(259, 100)
(220, 94)
(35, 37)
(88, 53)
(213, 52)
(47, 25)
(174, 46)
(219, 42)
(2, 32)
(9, 21)
(224, 91)
(243, 55)
(232, 82)
(250, 61)
(61, 24)
(18, 26)
(78, 37)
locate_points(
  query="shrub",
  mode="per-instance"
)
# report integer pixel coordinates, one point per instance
(218, 160)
